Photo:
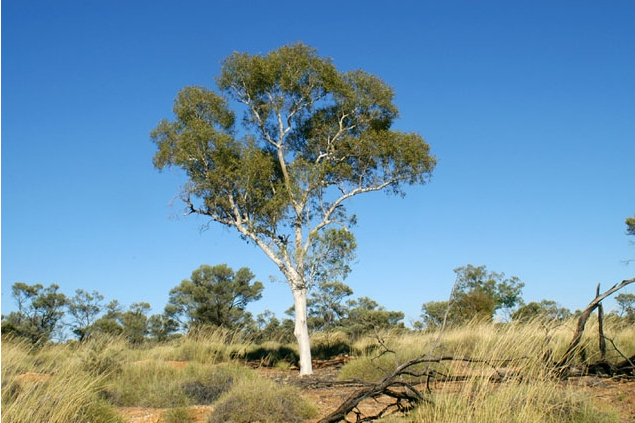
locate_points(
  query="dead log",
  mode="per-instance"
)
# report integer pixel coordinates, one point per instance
(394, 385)
(562, 366)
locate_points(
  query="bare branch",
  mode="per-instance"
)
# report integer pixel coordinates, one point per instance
(562, 367)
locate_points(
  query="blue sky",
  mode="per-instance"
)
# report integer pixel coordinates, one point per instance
(529, 107)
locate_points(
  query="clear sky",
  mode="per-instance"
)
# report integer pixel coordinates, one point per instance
(529, 107)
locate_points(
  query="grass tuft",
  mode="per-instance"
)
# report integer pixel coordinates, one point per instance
(262, 400)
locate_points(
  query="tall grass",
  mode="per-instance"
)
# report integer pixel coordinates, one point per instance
(510, 379)
(49, 386)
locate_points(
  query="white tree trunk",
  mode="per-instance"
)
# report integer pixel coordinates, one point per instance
(301, 331)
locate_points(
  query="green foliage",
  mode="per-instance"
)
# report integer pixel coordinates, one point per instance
(84, 308)
(161, 327)
(269, 328)
(40, 311)
(433, 314)
(109, 323)
(214, 296)
(546, 310)
(478, 295)
(366, 315)
(325, 308)
(626, 303)
(261, 400)
(329, 255)
(630, 225)
(133, 324)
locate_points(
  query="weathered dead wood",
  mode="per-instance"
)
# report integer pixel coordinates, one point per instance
(601, 339)
(393, 385)
(562, 366)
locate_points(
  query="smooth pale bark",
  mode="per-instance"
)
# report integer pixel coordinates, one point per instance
(301, 331)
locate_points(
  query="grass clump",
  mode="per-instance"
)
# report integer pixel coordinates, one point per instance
(262, 400)
(207, 388)
(58, 391)
(179, 415)
(541, 402)
(157, 384)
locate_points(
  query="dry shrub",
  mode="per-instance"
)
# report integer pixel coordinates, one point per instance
(262, 400)
(59, 393)
(208, 387)
(541, 402)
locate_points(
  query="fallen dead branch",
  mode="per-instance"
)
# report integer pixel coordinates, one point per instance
(401, 384)
(562, 366)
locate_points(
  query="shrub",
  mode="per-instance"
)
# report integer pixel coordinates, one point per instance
(261, 400)
(208, 388)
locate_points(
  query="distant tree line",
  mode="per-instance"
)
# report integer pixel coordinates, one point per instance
(216, 296)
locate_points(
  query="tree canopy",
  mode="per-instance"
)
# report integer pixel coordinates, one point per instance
(311, 137)
(39, 314)
(630, 225)
(478, 294)
(214, 295)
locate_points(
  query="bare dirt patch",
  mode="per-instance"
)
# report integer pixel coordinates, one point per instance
(619, 393)
(31, 377)
(199, 414)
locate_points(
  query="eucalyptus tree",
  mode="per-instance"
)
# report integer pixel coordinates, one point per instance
(84, 307)
(310, 139)
(39, 315)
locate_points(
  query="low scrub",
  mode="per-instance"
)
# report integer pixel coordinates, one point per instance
(58, 391)
(159, 384)
(492, 372)
(261, 400)
(540, 402)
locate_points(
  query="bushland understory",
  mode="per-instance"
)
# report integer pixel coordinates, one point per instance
(475, 373)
